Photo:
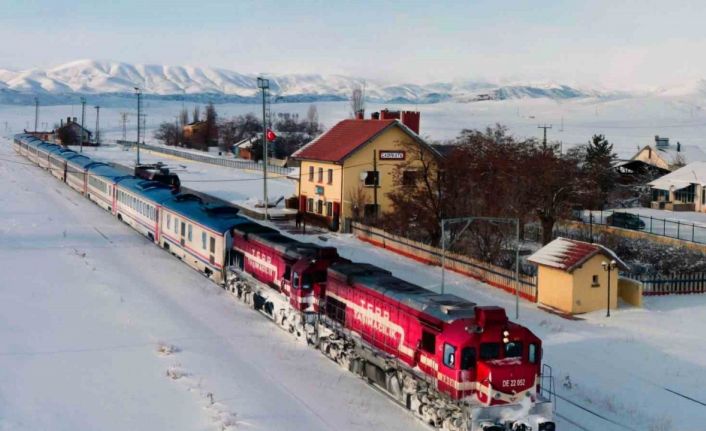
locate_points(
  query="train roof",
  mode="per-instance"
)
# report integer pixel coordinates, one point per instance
(151, 190)
(106, 171)
(79, 160)
(219, 218)
(273, 238)
(445, 307)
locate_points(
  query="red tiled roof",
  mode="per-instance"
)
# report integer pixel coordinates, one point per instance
(568, 254)
(341, 140)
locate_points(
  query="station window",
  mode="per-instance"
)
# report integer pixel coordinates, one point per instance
(409, 178)
(310, 205)
(594, 282)
(321, 175)
(311, 173)
(468, 358)
(372, 178)
(513, 349)
(449, 355)
(203, 240)
(330, 176)
(329, 209)
(319, 206)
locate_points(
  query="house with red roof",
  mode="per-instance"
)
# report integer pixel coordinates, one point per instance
(348, 171)
(579, 277)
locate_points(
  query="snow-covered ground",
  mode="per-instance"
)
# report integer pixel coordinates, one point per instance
(86, 339)
(86, 305)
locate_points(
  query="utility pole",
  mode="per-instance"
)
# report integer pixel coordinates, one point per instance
(545, 127)
(83, 117)
(98, 116)
(123, 118)
(139, 116)
(36, 113)
(264, 85)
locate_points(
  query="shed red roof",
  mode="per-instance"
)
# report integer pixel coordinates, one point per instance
(568, 254)
(342, 139)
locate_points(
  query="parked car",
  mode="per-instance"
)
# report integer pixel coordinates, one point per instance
(625, 220)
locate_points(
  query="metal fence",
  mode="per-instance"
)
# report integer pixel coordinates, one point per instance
(488, 273)
(672, 284)
(677, 229)
(214, 160)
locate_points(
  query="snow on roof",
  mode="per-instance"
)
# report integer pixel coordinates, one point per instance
(568, 254)
(678, 153)
(693, 173)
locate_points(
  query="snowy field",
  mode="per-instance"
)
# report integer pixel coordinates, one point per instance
(86, 303)
(82, 334)
(629, 122)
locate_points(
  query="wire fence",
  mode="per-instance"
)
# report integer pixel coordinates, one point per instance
(678, 229)
(214, 160)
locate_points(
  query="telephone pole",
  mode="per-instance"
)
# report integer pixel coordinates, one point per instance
(123, 119)
(139, 117)
(36, 113)
(545, 127)
(83, 116)
(98, 115)
(264, 85)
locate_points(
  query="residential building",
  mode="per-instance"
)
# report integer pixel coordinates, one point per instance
(668, 156)
(70, 131)
(571, 277)
(681, 190)
(347, 172)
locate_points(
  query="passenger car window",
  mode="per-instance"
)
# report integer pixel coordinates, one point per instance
(449, 355)
(468, 358)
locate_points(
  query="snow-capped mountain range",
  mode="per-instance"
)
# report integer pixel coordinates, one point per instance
(109, 78)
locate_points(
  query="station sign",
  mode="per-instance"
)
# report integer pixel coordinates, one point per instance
(392, 155)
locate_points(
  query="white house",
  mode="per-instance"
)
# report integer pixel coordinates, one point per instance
(668, 156)
(681, 190)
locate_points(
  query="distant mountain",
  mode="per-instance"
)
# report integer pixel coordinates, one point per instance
(115, 80)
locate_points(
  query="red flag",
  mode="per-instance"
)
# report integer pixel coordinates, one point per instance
(270, 135)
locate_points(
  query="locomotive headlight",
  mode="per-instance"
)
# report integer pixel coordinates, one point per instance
(506, 340)
(506, 334)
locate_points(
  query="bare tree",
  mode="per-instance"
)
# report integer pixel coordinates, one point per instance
(358, 99)
(312, 115)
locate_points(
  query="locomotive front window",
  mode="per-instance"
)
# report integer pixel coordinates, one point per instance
(295, 280)
(287, 272)
(306, 281)
(513, 349)
(468, 358)
(532, 353)
(449, 355)
(489, 351)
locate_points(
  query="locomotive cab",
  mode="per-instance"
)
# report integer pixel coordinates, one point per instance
(308, 277)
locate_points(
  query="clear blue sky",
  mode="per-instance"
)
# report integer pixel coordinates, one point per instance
(600, 42)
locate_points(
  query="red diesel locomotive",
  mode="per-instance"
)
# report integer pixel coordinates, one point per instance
(456, 365)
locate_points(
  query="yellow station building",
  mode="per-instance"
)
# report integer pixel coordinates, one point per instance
(571, 277)
(348, 171)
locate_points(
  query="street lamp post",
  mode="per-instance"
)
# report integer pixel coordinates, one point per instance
(138, 92)
(264, 85)
(609, 267)
(83, 115)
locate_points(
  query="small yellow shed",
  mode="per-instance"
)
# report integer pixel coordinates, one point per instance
(573, 276)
